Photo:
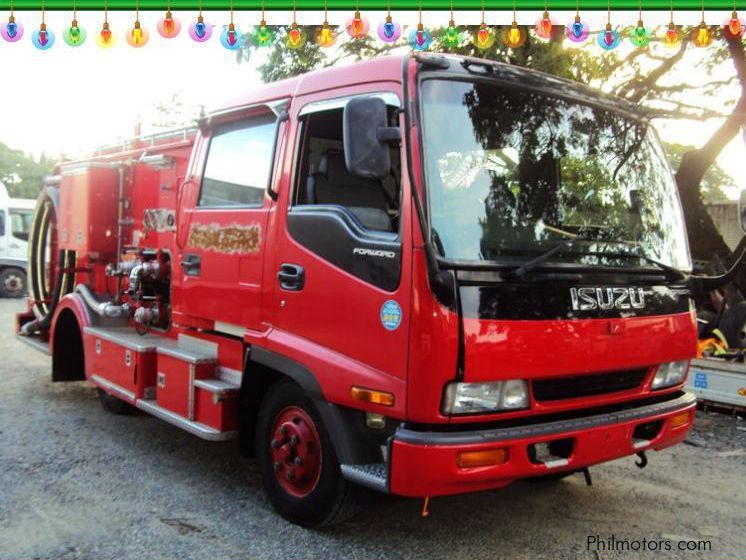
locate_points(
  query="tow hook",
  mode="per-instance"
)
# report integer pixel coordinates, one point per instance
(425, 508)
(587, 476)
(643, 462)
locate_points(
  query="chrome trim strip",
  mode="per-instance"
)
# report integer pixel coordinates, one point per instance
(200, 345)
(191, 392)
(186, 355)
(687, 400)
(34, 343)
(215, 386)
(128, 338)
(230, 376)
(195, 428)
(389, 97)
(116, 389)
(229, 328)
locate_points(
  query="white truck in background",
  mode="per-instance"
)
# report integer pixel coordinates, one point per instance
(15, 221)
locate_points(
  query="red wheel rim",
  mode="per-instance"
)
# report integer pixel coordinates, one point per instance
(295, 448)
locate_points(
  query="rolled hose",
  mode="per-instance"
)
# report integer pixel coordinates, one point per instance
(47, 292)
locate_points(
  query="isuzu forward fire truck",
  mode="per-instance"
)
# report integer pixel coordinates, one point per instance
(425, 275)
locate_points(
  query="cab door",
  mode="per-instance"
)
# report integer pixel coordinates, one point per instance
(223, 223)
(342, 273)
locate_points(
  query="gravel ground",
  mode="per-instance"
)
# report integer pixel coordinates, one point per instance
(77, 482)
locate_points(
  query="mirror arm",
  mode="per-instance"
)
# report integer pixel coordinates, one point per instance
(388, 134)
(700, 285)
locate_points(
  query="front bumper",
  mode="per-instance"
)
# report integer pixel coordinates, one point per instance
(424, 463)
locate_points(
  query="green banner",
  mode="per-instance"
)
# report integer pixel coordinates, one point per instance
(349, 5)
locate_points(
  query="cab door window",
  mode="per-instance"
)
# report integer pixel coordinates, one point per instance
(324, 180)
(239, 163)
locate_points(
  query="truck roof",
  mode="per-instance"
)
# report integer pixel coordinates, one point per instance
(389, 68)
(19, 203)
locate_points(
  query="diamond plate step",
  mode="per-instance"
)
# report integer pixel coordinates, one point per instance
(371, 475)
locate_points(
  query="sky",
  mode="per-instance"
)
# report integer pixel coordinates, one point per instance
(70, 100)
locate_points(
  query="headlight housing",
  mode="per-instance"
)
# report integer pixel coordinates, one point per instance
(473, 398)
(670, 374)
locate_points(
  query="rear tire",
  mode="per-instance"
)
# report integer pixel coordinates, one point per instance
(13, 283)
(114, 405)
(297, 461)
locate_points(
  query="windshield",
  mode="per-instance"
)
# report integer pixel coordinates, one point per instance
(511, 172)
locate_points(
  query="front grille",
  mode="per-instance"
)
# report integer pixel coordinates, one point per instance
(576, 386)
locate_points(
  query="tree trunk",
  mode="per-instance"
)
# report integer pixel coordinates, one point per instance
(705, 242)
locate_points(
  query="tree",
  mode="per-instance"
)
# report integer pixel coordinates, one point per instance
(283, 62)
(22, 174)
(714, 181)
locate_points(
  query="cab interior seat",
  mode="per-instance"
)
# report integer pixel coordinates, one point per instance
(365, 198)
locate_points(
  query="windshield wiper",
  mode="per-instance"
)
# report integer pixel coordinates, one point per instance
(521, 270)
(528, 266)
(673, 273)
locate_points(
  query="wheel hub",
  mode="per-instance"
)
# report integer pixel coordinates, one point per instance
(295, 449)
(13, 283)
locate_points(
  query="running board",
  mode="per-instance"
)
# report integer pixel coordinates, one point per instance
(371, 475)
(196, 428)
(34, 342)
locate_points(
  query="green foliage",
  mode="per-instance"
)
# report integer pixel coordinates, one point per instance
(22, 174)
(714, 181)
(283, 62)
(547, 56)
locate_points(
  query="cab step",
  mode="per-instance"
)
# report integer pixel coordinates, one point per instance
(370, 475)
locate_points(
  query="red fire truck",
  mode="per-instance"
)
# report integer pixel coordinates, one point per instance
(425, 275)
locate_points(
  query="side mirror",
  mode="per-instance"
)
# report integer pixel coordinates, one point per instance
(366, 136)
(742, 210)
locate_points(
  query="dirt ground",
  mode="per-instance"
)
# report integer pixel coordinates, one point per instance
(77, 482)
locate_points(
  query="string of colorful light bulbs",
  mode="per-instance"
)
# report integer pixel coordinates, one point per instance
(357, 27)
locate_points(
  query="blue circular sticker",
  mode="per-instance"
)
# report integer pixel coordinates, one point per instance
(391, 315)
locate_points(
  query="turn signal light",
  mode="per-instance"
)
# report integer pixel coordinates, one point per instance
(490, 457)
(681, 419)
(371, 396)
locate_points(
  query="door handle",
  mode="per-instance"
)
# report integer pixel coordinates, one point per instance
(292, 277)
(192, 265)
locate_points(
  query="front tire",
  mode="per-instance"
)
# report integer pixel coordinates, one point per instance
(297, 461)
(13, 283)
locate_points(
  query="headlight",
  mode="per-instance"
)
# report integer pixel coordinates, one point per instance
(669, 374)
(471, 398)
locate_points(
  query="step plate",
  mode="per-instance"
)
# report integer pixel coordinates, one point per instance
(371, 475)
(196, 428)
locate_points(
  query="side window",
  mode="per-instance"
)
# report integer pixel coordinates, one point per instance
(323, 178)
(20, 223)
(239, 163)
(2, 222)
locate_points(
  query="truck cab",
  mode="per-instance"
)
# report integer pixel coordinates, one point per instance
(421, 274)
(15, 222)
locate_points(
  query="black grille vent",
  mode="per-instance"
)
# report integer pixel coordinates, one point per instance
(587, 385)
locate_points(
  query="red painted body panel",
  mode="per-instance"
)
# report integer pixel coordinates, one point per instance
(531, 349)
(129, 369)
(433, 355)
(335, 319)
(91, 227)
(419, 470)
(333, 326)
(174, 379)
(219, 414)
